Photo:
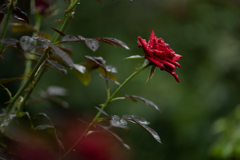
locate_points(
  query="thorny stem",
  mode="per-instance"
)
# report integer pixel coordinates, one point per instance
(55, 37)
(103, 107)
(28, 67)
(6, 23)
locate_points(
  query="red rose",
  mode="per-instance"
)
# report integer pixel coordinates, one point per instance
(159, 53)
(41, 6)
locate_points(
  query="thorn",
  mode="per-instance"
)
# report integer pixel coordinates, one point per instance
(58, 21)
(7, 102)
(28, 89)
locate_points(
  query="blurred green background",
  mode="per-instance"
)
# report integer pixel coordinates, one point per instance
(200, 115)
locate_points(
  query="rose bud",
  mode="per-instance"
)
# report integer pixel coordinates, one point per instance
(41, 6)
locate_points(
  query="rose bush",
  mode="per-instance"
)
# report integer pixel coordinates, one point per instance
(160, 54)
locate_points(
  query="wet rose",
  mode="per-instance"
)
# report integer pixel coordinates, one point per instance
(41, 6)
(160, 54)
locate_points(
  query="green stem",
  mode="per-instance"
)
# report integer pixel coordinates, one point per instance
(55, 37)
(6, 24)
(104, 106)
(119, 88)
(28, 67)
(26, 96)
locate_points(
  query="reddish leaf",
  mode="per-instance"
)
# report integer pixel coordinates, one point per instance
(146, 101)
(70, 38)
(69, 52)
(57, 66)
(93, 44)
(114, 41)
(20, 15)
(133, 118)
(16, 13)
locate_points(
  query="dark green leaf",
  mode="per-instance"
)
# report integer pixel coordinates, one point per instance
(133, 118)
(118, 122)
(81, 38)
(150, 131)
(44, 126)
(39, 115)
(56, 91)
(85, 78)
(58, 51)
(146, 62)
(57, 66)
(102, 111)
(109, 79)
(80, 68)
(27, 43)
(111, 69)
(135, 57)
(21, 114)
(110, 75)
(132, 99)
(19, 27)
(69, 52)
(115, 136)
(93, 44)
(98, 60)
(146, 101)
(9, 41)
(8, 119)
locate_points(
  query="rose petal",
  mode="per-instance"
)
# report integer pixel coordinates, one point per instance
(173, 62)
(145, 47)
(157, 63)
